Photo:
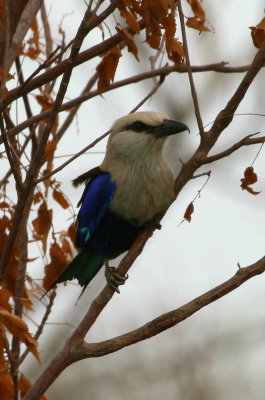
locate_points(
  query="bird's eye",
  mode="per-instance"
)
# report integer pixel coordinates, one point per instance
(138, 126)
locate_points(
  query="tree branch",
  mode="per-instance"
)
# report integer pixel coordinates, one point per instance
(192, 85)
(76, 349)
(163, 71)
(169, 319)
(84, 56)
(246, 141)
(225, 117)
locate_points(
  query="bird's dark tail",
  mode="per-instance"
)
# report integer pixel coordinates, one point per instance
(83, 268)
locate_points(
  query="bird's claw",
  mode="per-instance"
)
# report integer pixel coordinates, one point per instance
(154, 223)
(114, 279)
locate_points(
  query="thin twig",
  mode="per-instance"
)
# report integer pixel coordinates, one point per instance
(11, 158)
(72, 114)
(246, 141)
(42, 324)
(149, 95)
(163, 71)
(192, 85)
(72, 158)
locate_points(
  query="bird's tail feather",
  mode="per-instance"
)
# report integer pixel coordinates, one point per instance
(83, 267)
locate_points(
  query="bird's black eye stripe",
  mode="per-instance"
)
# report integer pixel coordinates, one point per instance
(139, 126)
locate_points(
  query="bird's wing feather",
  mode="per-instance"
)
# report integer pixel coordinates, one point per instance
(95, 200)
(87, 176)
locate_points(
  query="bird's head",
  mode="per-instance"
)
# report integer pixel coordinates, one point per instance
(140, 134)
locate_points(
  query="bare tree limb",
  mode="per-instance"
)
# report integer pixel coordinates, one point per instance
(171, 318)
(42, 324)
(76, 349)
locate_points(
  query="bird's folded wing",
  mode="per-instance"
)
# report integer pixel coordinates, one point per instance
(95, 200)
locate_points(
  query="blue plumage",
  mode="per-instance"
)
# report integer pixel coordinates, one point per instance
(96, 199)
(101, 234)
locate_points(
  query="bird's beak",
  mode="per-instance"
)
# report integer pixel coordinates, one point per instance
(169, 127)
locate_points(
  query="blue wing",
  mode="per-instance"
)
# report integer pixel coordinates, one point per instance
(95, 201)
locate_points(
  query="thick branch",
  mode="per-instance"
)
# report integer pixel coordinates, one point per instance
(75, 349)
(171, 318)
(225, 117)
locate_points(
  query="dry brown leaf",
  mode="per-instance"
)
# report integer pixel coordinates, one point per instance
(261, 24)
(6, 382)
(189, 211)
(132, 21)
(57, 265)
(258, 36)
(4, 297)
(17, 327)
(250, 177)
(107, 68)
(72, 230)
(197, 9)
(165, 4)
(195, 23)
(37, 197)
(44, 102)
(60, 198)
(42, 224)
(129, 41)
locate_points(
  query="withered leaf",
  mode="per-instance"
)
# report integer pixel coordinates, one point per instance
(72, 229)
(58, 263)
(258, 36)
(4, 297)
(261, 24)
(17, 327)
(37, 197)
(197, 9)
(107, 68)
(129, 41)
(195, 23)
(250, 177)
(189, 211)
(42, 224)
(60, 198)
(132, 21)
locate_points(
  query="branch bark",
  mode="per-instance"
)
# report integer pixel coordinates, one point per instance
(76, 349)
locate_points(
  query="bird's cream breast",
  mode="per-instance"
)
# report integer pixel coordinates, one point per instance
(140, 197)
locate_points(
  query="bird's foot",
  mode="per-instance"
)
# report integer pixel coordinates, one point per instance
(114, 279)
(154, 223)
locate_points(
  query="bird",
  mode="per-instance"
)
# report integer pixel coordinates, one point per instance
(123, 195)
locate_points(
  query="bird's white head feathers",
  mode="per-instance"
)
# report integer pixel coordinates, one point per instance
(149, 118)
(140, 136)
(144, 181)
